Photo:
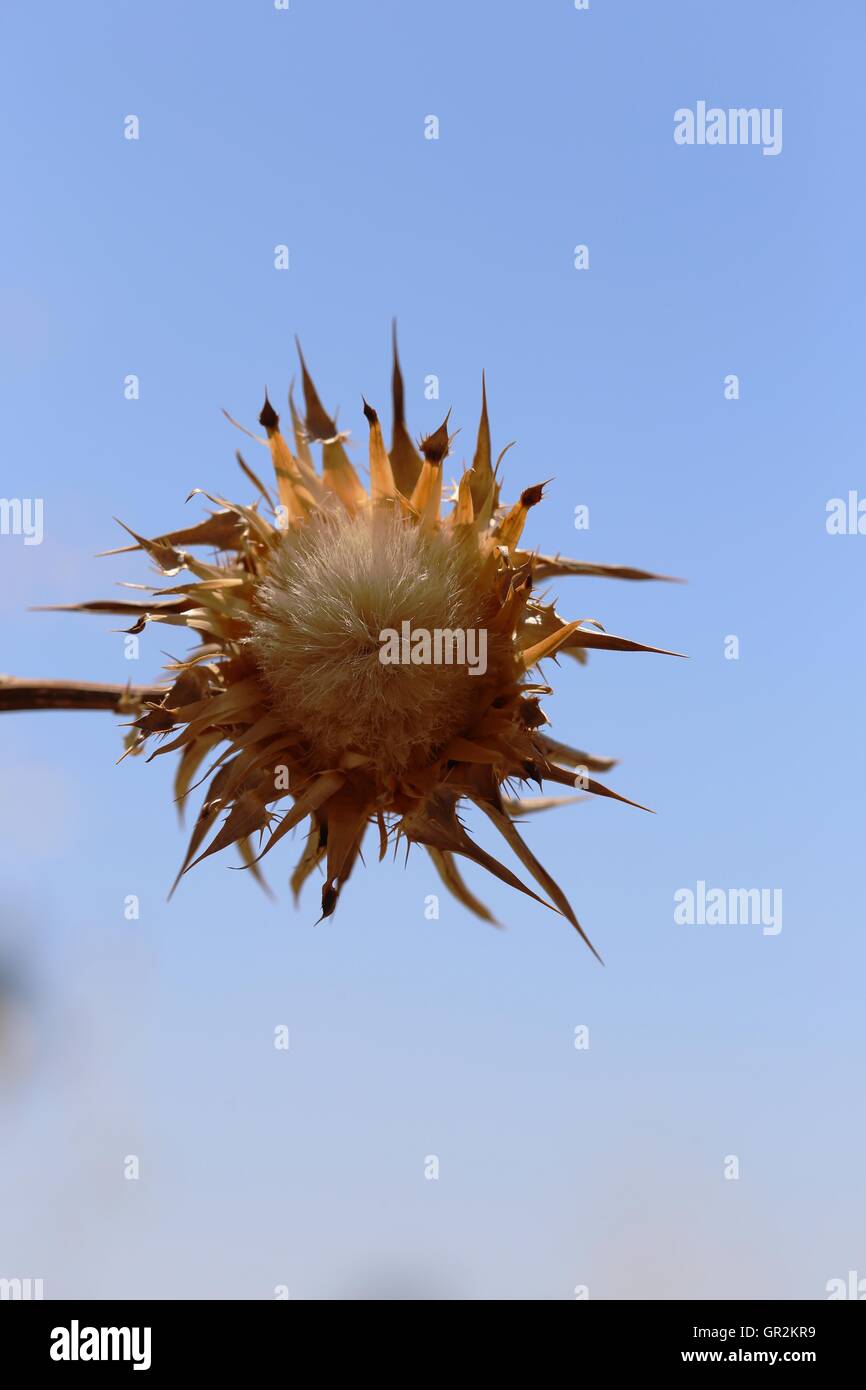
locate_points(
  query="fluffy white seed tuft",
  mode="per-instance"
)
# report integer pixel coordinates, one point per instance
(334, 586)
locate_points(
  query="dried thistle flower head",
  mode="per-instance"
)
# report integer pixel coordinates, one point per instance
(361, 652)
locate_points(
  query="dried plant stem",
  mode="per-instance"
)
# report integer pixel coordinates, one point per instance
(25, 695)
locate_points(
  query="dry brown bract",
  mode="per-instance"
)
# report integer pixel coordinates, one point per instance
(285, 695)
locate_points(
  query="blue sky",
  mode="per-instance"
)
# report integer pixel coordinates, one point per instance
(558, 1167)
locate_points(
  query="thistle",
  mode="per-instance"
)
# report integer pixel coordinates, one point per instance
(286, 707)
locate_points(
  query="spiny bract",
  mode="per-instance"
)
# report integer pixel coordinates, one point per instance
(286, 694)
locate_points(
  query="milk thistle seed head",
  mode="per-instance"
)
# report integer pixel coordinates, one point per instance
(369, 655)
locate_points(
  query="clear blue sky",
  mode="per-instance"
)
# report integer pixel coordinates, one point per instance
(410, 1037)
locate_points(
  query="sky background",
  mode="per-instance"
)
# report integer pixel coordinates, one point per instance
(558, 1167)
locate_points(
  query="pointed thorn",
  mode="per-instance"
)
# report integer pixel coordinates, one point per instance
(329, 900)
(435, 446)
(531, 496)
(269, 417)
(318, 421)
(397, 379)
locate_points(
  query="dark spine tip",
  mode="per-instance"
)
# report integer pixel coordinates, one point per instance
(370, 414)
(435, 446)
(269, 417)
(531, 496)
